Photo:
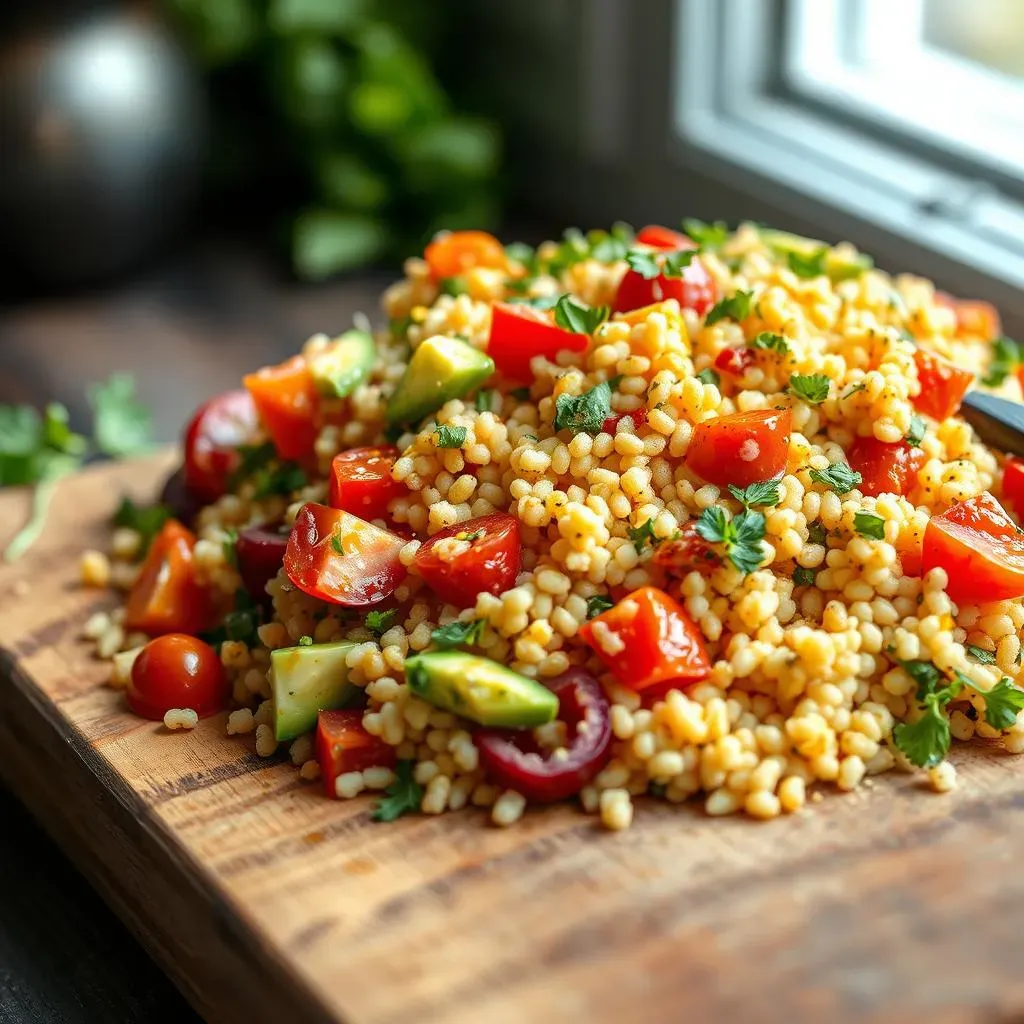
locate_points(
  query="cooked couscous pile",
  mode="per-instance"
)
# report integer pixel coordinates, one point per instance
(747, 610)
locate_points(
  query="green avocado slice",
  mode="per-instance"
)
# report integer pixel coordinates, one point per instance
(305, 681)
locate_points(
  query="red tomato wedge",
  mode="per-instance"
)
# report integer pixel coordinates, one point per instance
(735, 360)
(361, 481)
(741, 448)
(884, 467)
(695, 290)
(980, 548)
(943, 385)
(638, 416)
(166, 598)
(491, 563)
(336, 557)
(177, 671)
(518, 333)
(647, 640)
(458, 251)
(287, 402)
(343, 745)
(1013, 484)
(974, 318)
(211, 442)
(685, 553)
(665, 239)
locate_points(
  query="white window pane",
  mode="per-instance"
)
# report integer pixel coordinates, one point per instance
(985, 32)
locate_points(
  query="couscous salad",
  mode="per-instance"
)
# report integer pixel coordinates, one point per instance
(682, 513)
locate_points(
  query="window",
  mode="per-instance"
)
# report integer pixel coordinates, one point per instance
(897, 123)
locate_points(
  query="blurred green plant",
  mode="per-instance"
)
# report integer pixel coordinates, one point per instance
(327, 113)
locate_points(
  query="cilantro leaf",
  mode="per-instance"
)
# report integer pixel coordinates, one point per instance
(586, 413)
(609, 248)
(770, 342)
(980, 654)
(403, 795)
(542, 302)
(573, 249)
(712, 524)
(804, 577)
(641, 535)
(522, 253)
(251, 459)
(926, 741)
(735, 307)
(915, 435)
(1006, 357)
(579, 319)
(146, 520)
(449, 436)
(242, 624)
(281, 479)
(869, 524)
(816, 533)
(644, 262)
(707, 236)
(453, 286)
(811, 387)
(484, 401)
(597, 604)
(838, 477)
(120, 423)
(925, 674)
(709, 376)
(765, 492)
(808, 265)
(675, 263)
(379, 622)
(336, 544)
(1002, 703)
(458, 634)
(741, 536)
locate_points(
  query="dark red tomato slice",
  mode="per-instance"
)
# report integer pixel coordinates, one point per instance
(741, 448)
(648, 639)
(1013, 484)
(943, 385)
(361, 481)
(177, 671)
(664, 239)
(343, 745)
(491, 564)
(686, 553)
(288, 405)
(260, 553)
(513, 760)
(638, 416)
(885, 467)
(735, 360)
(336, 557)
(212, 439)
(980, 548)
(518, 333)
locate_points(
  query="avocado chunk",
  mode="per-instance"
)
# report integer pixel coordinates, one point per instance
(480, 689)
(305, 681)
(344, 364)
(838, 266)
(440, 369)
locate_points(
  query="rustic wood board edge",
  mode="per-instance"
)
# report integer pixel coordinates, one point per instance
(228, 975)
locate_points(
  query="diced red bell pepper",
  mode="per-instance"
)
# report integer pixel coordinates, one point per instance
(647, 640)
(287, 402)
(518, 333)
(361, 481)
(943, 385)
(885, 467)
(343, 745)
(741, 448)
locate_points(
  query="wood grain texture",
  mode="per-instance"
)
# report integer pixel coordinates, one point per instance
(265, 901)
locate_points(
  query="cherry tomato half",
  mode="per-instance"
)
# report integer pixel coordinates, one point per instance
(260, 553)
(687, 552)
(361, 481)
(943, 385)
(695, 290)
(735, 360)
(647, 640)
(518, 333)
(490, 564)
(336, 557)
(980, 548)
(1013, 484)
(212, 439)
(177, 671)
(884, 467)
(665, 239)
(513, 760)
(741, 448)
(343, 745)
(166, 597)
(458, 251)
(287, 402)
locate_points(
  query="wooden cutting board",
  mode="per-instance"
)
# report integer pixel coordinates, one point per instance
(267, 902)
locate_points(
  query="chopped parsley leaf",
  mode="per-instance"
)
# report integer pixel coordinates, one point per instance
(735, 307)
(709, 376)
(926, 741)
(640, 535)
(597, 604)
(838, 477)
(707, 236)
(816, 533)
(1002, 703)
(449, 436)
(579, 319)
(1006, 357)
(520, 394)
(404, 795)
(915, 435)
(586, 413)
(980, 654)
(808, 265)
(453, 286)
(229, 548)
(484, 401)
(765, 492)
(336, 544)
(146, 520)
(458, 634)
(741, 535)
(869, 524)
(522, 253)
(770, 342)
(804, 577)
(379, 622)
(120, 422)
(542, 302)
(650, 265)
(811, 387)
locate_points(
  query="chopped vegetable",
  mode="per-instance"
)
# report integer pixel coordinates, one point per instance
(1013, 484)
(943, 385)
(343, 746)
(177, 671)
(641, 535)
(215, 442)
(287, 403)
(379, 622)
(980, 654)
(839, 477)
(1006, 358)
(811, 387)
(455, 252)
(403, 796)
(869, 524)
(259, 552)
(883, 468)
(769, 342)
(597, 604)
(361, 481)
(679, 275)
(764, 492)
(741, 536)
(708, 376)
(915, 435)
(736, 307)
(458, 634)
(519, 332)
(579, 319)
(741, 448)
(440, 369)
(586, 413)
(449, 436)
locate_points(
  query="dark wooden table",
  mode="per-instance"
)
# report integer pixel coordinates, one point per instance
(186, 329)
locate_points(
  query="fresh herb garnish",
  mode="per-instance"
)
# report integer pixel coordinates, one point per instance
(709, 376)
(741, 535)
(915, 435)
(804, 577)
(259, 463)
(453, 286)
(924, 673)
(926, 741)
(579, 319)
(120, 423)
(586, 413)
(542, 302)
(770, 342)
(810, 264)
(522, 253)
(765, 492)
(336, 544)
(650, 265)
(1006, 357)
(980, 654)
(146, 520)
(458, 634)
(379, 622)
(811, 387)
(735, 307)
(305, 640)
(707, 236)
(838, 477)
(597, 604)
(816, 533)
(1002, 703)
(484, 401)
(641, 535)
(228, 546)
(869, 524)
(449, 436)
(403, 795)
